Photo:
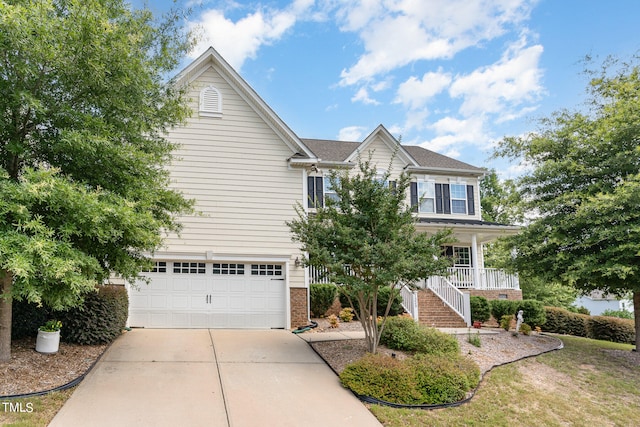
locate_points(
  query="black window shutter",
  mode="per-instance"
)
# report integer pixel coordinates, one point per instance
(446, 198)
(319, 192)
(392, 187)
(413, 190)
(439, 198)
(471, 206)
(311, 192)
(448, 251)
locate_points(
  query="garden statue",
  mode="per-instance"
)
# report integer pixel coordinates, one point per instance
(519, 322)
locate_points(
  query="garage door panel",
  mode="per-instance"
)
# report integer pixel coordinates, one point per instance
(217, 295)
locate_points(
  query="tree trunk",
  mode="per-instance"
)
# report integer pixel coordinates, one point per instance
(636, 311)
(5, 315)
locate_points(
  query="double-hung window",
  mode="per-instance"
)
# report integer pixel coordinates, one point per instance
(329, 191)
(427, 196)
(458, 198)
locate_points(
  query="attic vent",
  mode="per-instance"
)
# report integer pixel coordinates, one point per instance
(210, 102)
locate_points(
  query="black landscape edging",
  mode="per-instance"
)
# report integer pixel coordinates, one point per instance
(373, 400)
(63, 387)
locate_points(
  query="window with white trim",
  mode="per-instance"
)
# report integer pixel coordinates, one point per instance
(210, 102)
(461, 256)
(266, 270)
(189, 267)
(427, 196)
(458, 198)
(329, 191)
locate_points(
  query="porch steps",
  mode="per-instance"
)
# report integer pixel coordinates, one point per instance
(434, 312)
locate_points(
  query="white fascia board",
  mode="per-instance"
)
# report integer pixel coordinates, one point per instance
(389, 140)
(448, 171)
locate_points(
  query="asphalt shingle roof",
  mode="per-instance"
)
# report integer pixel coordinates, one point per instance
(338, 151)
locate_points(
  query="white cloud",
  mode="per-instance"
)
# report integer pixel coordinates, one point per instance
(237, 41)
(415, 92)
(514, 79)
(362, 95)
(398, 32)
(450, 131)
(352, 133)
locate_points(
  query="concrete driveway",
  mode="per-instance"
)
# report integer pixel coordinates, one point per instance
(200, 377)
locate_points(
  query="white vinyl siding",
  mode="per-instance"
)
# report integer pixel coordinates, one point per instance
(236, 168)
(210, 102)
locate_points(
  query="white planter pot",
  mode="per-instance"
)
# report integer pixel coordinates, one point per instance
(48, 342)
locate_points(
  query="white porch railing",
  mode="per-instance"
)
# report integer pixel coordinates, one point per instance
(409, 301)
(457, 300)
(489, 278)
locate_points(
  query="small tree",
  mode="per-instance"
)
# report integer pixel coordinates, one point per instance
(366, 239)
(84, 109)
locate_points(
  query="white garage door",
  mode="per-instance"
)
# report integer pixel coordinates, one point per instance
(210, 295)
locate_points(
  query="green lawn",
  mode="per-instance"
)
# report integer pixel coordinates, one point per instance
(580, 385)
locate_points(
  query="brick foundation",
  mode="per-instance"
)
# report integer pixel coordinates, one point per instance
(299, 309)
(512, 294)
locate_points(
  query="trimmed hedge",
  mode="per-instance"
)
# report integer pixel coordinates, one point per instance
(404, 333)
(421, 380)
(99, 320)
(532, 311)
(322, 296)
(27, 318)
(561, 321)
(611, 329)
(480, 309)
(502, 307)
(384, 293)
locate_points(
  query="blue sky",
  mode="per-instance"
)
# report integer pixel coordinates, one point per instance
(454, 76)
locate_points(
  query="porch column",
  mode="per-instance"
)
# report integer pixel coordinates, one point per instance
(474, 257)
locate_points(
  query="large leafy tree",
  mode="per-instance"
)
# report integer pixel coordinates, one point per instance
(83, 113)
(366, 239)
(584, 187)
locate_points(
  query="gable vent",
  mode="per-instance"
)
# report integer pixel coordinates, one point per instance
(210, 102)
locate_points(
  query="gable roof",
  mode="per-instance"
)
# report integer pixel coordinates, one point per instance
(341, 151)
(211, 58)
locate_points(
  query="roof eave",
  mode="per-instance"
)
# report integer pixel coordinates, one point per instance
(422, 169)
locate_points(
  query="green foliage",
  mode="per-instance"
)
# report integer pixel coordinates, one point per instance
(525, 329)
(621, 314)
(346, 314)
(322, 296)
(404, 333)
(502, 307)
(584, 186)
(27, 318)
(611, 329)
(532, 311)
(84, 191)
(561, 321)
(424, 379)
(500, 200)
(51, 326)
(384, 293)
(549, 293)
(581, 310)
(474, 339)
(480, 309)
(370, 229)
(505, 321)
(100, 319)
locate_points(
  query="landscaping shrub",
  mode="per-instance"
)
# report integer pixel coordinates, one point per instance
(443, 379)
(322, 296)
(382, 377)
(27, 318)
(561, 321)
(346, 314)
(505, 321)
(423, 379)
(99, 320)
(500, 307)
(621, 314)
(532, 311)
(384, 294)
(403, 333)
(480, 309)
(525, 329)
(611, 329)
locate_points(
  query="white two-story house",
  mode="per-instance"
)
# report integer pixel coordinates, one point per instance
(234, 264)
